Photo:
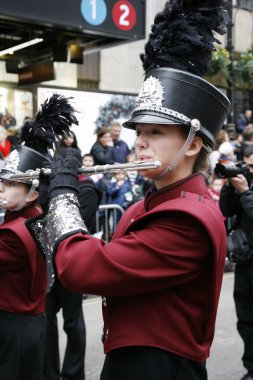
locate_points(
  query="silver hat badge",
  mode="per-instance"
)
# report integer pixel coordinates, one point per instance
(151, 93)
(12, 161)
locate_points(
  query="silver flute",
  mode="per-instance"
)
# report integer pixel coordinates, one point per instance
(136, 165)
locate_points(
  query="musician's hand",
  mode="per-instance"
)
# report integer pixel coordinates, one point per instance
(64, 175)
(44, 187)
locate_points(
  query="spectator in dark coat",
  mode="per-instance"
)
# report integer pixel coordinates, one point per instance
(71, 142)
(120, 147)
(243, 120)
(89, 199)
(247, 141)
(117, 189)
(102, 149)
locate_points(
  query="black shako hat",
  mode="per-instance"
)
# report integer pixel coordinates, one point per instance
(178, 52)
(22, 160)
(38, 137)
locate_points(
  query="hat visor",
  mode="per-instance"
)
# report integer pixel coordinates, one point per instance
(7, 175)
(148, 118)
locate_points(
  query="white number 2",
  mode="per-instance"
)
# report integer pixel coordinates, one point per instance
(124, 15)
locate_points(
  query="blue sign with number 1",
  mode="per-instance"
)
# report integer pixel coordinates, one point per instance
(94, 11)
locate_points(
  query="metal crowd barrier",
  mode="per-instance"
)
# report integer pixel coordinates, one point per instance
(107, 219)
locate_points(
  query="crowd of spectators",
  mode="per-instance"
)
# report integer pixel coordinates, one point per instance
(126, 187)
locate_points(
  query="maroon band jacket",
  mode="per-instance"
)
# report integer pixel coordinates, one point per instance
(161, 273)
(23, 277)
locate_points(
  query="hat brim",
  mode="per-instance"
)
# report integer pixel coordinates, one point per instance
(148, 118)
(8, 175)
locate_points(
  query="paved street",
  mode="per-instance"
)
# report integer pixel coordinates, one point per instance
(225, 359)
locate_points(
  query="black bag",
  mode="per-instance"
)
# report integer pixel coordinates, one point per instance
(238, 249)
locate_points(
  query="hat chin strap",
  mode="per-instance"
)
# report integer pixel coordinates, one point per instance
(195, 125)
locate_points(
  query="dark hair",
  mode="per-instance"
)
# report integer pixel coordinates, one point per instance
(220, 138)
(74, 145)
(102, 131)
(247, 133)
(248, 151)
(88, 155)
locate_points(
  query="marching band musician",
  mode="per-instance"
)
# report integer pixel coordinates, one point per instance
(23, 278)
(160, 276)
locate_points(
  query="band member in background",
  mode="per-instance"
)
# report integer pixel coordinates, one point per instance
(23, 276)
(160, 276)
(23, 283)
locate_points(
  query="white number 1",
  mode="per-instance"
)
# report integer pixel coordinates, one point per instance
(93, 9)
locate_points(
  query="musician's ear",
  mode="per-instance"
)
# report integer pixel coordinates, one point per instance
(33, 196)
(195, 146)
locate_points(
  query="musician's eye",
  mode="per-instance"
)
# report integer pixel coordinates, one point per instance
(9, 183)
(156, 131)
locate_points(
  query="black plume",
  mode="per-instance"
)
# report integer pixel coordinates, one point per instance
(182, 36)
(51, 123)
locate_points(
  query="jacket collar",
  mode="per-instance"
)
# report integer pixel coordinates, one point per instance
(27, 213)
(195, 183)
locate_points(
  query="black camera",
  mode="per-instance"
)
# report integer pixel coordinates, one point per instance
(229, 169)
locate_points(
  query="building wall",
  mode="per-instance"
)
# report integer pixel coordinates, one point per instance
(121, 68)
(243, 29)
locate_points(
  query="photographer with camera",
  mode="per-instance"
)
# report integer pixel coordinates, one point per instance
(236, 199)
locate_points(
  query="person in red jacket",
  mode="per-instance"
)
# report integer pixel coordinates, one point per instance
(23, 278)
(160, 276)
(5, 145)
